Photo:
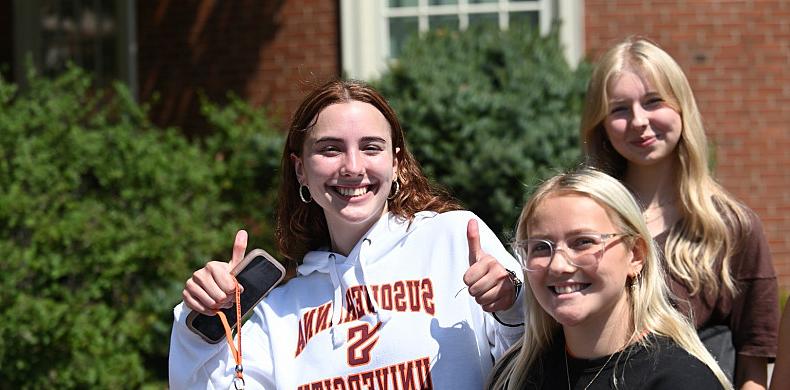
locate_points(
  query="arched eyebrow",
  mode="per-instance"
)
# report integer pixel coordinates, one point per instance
(646, 96)
(362, 140)
(328, 139)
(373, 139)
(616, 102)
(571, 233)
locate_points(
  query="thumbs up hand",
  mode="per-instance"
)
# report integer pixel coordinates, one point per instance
(487, 280)
(213, 287)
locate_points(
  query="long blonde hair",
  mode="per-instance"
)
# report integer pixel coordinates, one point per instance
(648, 298)
(713, 223)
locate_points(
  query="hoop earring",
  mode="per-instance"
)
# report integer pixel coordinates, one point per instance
(397, 189)
(304, 199)
(635, 282)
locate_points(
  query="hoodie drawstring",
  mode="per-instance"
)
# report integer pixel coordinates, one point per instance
(337, 301)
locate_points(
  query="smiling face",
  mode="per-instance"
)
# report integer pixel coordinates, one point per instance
(348, 165)
(640, 125)
(576, 296)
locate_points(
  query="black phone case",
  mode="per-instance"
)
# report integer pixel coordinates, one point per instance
(258, 277)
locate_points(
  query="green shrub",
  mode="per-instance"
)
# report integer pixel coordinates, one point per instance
(247, 147)
(103, 217)
(487, 112)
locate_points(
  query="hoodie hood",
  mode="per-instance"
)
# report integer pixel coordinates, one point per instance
(382, 237)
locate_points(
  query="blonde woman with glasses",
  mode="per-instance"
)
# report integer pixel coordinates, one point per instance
(641, 125)
(597, 311)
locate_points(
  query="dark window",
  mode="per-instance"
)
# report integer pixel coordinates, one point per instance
(96, 35)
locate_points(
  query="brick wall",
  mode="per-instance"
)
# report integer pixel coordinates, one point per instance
(736, 56)
(264, 51)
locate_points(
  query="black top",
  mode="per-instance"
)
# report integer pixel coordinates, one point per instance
(662, 365)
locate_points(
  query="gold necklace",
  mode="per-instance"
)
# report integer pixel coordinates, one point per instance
(568, 375)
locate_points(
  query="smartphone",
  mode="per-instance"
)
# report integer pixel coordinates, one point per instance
(258, 273)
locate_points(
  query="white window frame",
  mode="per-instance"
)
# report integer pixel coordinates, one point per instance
(365, 28)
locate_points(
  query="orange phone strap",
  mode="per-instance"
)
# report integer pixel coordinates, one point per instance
(238, 381)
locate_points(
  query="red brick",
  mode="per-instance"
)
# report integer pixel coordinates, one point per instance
(262, 51)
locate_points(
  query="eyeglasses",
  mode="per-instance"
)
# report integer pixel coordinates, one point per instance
(582, 250)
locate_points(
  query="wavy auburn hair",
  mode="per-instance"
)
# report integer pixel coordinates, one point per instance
(301, 227)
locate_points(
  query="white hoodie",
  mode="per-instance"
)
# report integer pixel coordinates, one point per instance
(394, 314)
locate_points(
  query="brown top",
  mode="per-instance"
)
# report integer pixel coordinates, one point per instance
(753, 314)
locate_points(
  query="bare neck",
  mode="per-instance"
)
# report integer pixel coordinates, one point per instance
(345, 236)
(344, 239)
(654, 185)
(600, 337)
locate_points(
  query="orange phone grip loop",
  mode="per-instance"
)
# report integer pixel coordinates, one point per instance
(229, 333)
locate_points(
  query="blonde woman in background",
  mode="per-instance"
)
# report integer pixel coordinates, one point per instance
(598, 315)
(641, 125)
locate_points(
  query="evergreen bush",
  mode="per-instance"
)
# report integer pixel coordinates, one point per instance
(103, 216)
(488, 112)
(247, 146)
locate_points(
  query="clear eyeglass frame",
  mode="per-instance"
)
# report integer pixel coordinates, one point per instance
(580, 259)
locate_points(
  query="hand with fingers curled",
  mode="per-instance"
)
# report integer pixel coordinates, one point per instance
(487, 280)
(212, 287)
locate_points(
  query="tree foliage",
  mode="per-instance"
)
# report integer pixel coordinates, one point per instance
(102, 218)
(487, 112)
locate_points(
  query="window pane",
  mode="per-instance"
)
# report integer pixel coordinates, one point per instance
(402, 3)
(482, 1)
(109, 61)
(484, 19)
(57, 45)
(84, 33)
(67, 9)
(400, 30)
(443, 2)
(448, 22)
(527, 18)
(90, 56)
(103, 38)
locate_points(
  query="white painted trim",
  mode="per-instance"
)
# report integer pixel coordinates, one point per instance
(363, 42)
(545, 10)
(571, 13)
(364, 27)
